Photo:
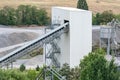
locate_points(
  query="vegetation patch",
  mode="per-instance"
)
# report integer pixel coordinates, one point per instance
(23, 15)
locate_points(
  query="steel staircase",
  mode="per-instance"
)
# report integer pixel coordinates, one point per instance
(53, 53)
(48, 73)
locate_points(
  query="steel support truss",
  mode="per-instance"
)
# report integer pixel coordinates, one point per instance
(108, 37)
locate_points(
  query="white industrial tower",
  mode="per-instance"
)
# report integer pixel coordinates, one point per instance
(77, 42)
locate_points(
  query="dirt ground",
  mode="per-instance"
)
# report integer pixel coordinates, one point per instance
(94, 6)
(12, 36)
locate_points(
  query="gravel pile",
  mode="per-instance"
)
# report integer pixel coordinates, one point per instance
(16, 38)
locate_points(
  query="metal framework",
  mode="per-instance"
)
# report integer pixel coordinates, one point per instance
(53, 53)
(48, 73)
(108, 37)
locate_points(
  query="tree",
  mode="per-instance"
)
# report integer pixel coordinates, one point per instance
(27, 15)
(82, 4)
(65, 71)
(70, 74)
(96, 67)
(7, 16)
(23, 15)
(98, 18)
(105, 17)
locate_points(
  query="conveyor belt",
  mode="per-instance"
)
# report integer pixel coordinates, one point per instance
(39, 42)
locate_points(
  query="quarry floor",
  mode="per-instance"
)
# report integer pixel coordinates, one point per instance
(12, 38)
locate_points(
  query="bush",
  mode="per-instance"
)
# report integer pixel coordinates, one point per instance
(118, 17)
(22, 67)
(65, 71)
(13, 75)
(37, 68)
(31, 74)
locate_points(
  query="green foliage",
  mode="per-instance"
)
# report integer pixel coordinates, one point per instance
(17, 75)
(96, 67)
(23, 15)
(28, 15)
(22, 67)
(37, 68)
(96, 19)
(70, 74)
(12, 75)
(106, 17)
(31, 74)
(7, 16)
(82, 4)
(94, 22)
(65, 71)
(103, 18)
(75, 73)
(117, 17)
(100, 51)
